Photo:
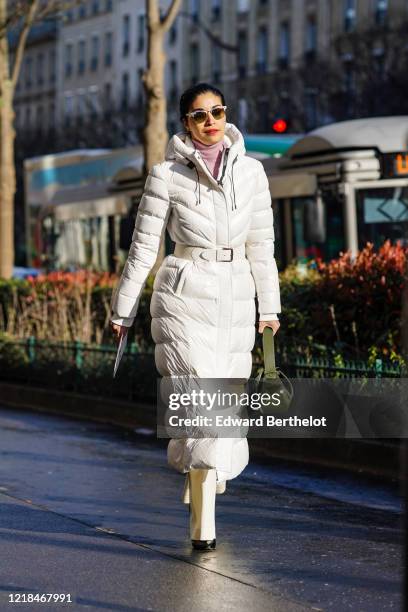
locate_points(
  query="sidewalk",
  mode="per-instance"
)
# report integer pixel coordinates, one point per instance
(96, 512)
(51, 553)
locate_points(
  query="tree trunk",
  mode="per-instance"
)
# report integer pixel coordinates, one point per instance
(155, 131)
(7, 170)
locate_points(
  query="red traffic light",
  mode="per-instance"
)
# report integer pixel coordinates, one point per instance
(279, 125)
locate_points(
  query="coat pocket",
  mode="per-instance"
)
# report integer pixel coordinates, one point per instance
(182, 277)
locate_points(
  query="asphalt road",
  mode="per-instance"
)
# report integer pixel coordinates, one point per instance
(95, 512)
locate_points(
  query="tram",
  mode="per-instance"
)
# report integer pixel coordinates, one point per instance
(340, 186)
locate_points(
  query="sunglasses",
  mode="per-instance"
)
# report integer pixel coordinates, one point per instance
(199, 116)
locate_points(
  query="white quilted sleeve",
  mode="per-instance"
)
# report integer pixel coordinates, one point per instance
(150, 225)
(260, 249)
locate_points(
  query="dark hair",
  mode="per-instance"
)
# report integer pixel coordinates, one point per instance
(190, 94)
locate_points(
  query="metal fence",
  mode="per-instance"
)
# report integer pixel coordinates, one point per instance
(78, 367)
(88, 369)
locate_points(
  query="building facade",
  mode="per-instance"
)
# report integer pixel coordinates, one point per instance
(296, 59)
(309, 61)
(85, 63)
(36, 89)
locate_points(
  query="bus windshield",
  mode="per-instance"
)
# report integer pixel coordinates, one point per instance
(382, 214)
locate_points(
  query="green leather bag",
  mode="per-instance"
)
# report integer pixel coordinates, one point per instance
(274, 382)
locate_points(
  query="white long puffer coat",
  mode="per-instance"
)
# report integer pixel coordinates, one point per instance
(203, 312)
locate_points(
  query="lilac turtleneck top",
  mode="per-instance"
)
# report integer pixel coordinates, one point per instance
(211, 154)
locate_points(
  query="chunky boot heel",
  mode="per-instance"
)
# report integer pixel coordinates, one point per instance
(204, 544)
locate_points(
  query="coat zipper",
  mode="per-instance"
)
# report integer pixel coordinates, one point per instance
(220, 184)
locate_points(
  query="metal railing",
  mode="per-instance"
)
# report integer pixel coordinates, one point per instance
(85, 368)
(79, 367)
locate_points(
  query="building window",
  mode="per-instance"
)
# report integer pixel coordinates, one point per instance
(95, 53)
(28, 72)
(194, 63)
(125, 91)
(349, 15)
(52, 66)
(95, 7)
(141, 31)
(215, 10)
(69, 16)
(107, 100)
(82, 11)
(108, 48)
(68, 60)
(284, 44)
(243, 6)
(81, 57)
(39, 121)
(379, 63)
(81, 106)
(263, 115)
(173, 93)
(311, 35)
(28, 118)
(51, 116)
(40, 69)
(125, 35)
(68, 109)
(195, 9)
(242, 114)
(381, 12)
(216, 60)
(349, 88)
(140, 88)
(262, 50)
(173, 33)
(242, 53)
(108, 6)
(93, 96)
(311, 109)
(349, 77)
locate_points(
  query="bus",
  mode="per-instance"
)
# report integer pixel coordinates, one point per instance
(80, 205)
(75, 203)
(340, 186)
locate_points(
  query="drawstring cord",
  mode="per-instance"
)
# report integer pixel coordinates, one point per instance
(233, 185)
(198, 184)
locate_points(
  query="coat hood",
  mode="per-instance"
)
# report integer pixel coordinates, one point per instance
(181, 147)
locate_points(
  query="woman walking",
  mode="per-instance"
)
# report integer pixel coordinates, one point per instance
(216, 205)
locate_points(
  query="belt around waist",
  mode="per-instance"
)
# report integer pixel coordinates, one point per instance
(216, 254)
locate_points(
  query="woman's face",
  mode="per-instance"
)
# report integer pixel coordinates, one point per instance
(211, 130)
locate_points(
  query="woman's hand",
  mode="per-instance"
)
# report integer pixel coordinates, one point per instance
(274, 324)
(119, 331)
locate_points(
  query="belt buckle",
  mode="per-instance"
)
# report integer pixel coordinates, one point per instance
(220, 251)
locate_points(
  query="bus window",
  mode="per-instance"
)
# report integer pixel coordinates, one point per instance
(382, 214)
(307, 243)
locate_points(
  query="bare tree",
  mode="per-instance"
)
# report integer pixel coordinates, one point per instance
(19, 15)
(155, 131)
